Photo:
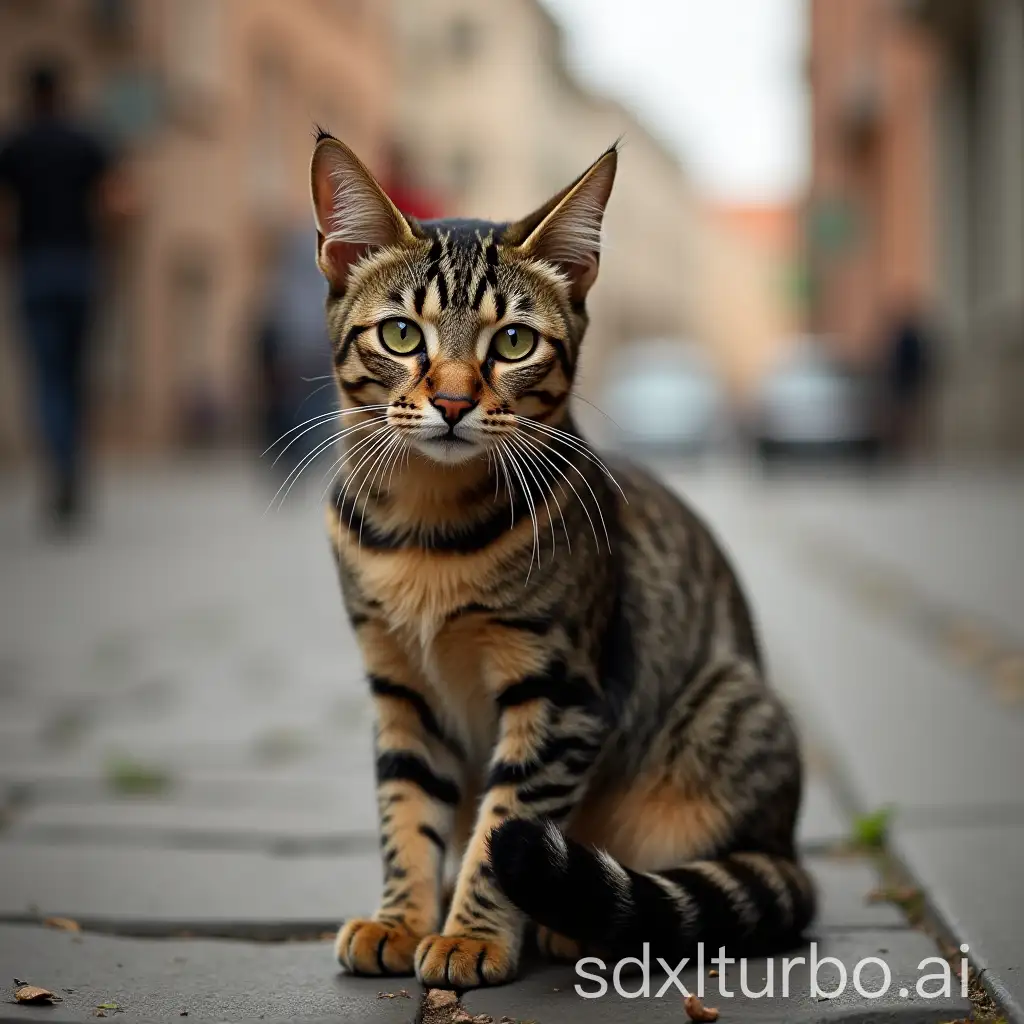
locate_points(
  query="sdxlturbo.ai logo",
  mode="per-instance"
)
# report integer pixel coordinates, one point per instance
(871, 977)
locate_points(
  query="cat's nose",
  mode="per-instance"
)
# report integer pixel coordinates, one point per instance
(453, 407)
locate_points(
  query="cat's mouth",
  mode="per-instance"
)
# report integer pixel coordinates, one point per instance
(450, 448)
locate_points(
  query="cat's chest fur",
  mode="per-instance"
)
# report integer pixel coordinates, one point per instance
(418, 591)
(419, 595)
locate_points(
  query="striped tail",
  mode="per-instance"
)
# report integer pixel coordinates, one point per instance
(747, 901)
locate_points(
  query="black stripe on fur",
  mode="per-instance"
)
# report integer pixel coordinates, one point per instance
(386, 688)
(572, 890)
(400, 766)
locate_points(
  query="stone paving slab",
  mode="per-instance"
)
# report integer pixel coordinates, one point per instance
(124, 884)
(548, 995)
(154, 980)
(844, 884)
(895, 715)
(165, 824)
(265, 814)
(270, 790)
(968, 548)
(974, 881)
(226, 981)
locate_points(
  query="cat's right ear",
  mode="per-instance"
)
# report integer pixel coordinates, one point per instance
(353, 214)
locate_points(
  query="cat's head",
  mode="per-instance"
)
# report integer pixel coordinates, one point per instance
(450, 329)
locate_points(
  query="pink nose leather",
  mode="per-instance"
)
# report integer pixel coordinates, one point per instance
(453, 409)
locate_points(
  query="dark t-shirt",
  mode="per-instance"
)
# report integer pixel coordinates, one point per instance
(53, 168)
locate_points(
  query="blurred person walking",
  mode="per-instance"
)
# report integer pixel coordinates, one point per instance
(908, 371)
(56, 171)
(294, 355)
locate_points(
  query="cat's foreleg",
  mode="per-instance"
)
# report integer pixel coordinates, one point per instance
(550, 733)
(419, 777)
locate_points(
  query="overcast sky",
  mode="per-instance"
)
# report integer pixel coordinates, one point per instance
(720, 80)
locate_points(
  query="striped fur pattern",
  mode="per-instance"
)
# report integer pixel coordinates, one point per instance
(572, 718)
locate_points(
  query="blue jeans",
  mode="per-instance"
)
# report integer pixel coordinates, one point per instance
(57, 294)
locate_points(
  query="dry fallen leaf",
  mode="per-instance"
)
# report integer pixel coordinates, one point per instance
(696, 1010)
(33, 994)
(712, 973)
(62, 924)
(438, 998)
(439, 1006)
(895, 894)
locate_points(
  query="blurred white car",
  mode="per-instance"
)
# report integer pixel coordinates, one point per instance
(811, 405)
(663, 397)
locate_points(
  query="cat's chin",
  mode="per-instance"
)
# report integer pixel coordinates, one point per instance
(449, 451)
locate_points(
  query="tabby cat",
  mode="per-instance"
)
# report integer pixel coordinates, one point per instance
(570, 702)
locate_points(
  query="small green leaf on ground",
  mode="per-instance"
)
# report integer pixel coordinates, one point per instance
(108, 1006)
(869, 830)
(132, 777)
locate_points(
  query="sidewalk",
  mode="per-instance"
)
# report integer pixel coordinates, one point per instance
(894, 611)
(185, 767)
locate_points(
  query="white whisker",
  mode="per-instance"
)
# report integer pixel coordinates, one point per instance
(402, 450)
(549, 476)
(304, 465)
(315, 391)
(577, 444)
(528, 463)
(375, 470)
(540, 446)
(335, 470)
(373, 450)
(535, 551)
(499, 451)
(320, 417)
(292, 478)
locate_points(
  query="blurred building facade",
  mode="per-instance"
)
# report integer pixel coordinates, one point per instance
(495, 124)
(749, 302)
(917, 197)
(212, 103)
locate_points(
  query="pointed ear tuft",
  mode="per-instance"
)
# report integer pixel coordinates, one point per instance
(353, 213)
(566, 230)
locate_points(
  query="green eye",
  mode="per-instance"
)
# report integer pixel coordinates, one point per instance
(515, 342)
(402, 337)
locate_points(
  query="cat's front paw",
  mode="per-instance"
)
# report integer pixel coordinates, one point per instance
(370, 947)
(453, 961)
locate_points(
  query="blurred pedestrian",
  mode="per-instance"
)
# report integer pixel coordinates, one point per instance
(294, 353)
(908, 373)
(55, 171)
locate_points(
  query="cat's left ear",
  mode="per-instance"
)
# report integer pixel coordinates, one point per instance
(566, 230)
(353, 213)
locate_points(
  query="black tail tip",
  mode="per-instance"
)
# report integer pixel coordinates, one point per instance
(521, 856)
